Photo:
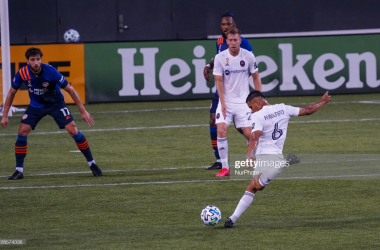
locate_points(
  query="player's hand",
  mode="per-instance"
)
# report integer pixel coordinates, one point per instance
(207, 73)
(326, 97)
(88, 118)
(224, 110)
(4, 121)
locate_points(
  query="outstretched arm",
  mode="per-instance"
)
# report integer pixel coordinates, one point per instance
(312, 108)
(84, 114)
(7, 106)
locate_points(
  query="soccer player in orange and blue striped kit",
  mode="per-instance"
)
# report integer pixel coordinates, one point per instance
(44, 83)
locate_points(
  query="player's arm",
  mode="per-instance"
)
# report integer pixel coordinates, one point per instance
(312, 108)
(220, 89)
(84, 114)
(257, 81)
(7, 105)
(253, 143)
(207, 70)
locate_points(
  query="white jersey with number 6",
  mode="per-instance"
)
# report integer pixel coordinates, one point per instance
(272, 121)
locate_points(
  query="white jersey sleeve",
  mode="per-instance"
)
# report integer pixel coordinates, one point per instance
(292, 111)
(218, 67)
(252, 64)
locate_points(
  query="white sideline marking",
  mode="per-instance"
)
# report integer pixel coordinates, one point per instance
(186, 126)
(190, 108)
(173, 182)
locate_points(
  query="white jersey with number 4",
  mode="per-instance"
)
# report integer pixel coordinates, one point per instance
(273, 121)
(235, 71)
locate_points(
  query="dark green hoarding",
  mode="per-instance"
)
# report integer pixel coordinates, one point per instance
(174, 70)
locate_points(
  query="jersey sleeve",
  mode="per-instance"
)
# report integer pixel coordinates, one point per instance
(252, 64)
(246, 45)
(57, 77)
(218, 67)
(17, 81)
(258, 123)
(292, 111)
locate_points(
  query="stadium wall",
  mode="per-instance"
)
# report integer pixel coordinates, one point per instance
(45, 21)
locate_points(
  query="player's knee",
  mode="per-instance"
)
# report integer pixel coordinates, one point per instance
(212, 122)
(72, 129)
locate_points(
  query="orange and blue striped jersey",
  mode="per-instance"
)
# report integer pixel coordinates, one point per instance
(44, 89)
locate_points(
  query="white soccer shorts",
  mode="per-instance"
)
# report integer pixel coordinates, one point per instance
(239, 113)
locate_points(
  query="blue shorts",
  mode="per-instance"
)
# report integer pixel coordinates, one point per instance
(59, 112)
(214, 103)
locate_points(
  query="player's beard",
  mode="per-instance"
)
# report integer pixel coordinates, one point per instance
(36, 70)
(223, 34)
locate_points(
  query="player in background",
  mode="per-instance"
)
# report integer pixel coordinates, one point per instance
(269, 127)
(44, 83)
(232, 68)
(227, 21)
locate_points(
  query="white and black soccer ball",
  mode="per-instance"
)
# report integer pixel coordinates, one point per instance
(71, 36)
(211, 215)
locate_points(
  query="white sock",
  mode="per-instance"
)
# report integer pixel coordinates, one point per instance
(90, 163)
(223, 151)
(21, 170)
(244, 203)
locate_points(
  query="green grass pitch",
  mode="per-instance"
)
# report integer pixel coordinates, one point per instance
(154, 186)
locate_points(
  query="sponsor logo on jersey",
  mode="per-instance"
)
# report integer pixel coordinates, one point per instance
(227, 72)
(227, 61)
(242, 63)
(29, 82)
(45, 84)
(62, 79)
(24, 116)
(217, 115)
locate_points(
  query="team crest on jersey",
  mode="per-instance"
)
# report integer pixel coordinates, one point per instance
(227, 61)
(29, 82)
(24, 116)
(242, 63)
(217, 115)
(45, 84)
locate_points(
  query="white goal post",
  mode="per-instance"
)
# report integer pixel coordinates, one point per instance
(5, 54)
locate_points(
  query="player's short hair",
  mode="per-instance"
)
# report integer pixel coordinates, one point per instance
(33, 52)
(228, 14)
(253, 95)
(233, 31)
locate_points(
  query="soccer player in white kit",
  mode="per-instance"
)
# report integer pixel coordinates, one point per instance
(232, 69)
(269, 127)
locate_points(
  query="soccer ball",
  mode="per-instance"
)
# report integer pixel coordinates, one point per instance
(71, 36)
(211, 215)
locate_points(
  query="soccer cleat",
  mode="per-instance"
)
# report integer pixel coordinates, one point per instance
(216, 165)
(96, 170)
(228, 223)
(223, 172)
(292, 159)
(16, 176)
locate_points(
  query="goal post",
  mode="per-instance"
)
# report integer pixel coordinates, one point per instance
(5, 69)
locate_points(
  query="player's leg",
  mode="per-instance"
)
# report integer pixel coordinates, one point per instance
(64, 119)
(245, 201)
(222, 128)
(213, 133)
(29, 121)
